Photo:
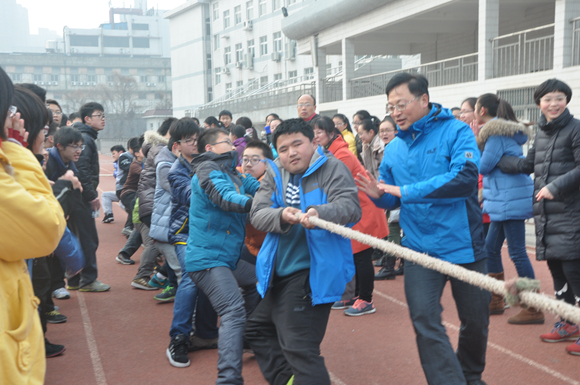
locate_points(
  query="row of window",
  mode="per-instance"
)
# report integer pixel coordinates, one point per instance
(292, 77)
(108, 41)
(262, 10)
(263, 47)
(17, 77)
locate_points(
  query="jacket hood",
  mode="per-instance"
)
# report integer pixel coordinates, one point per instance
(227, 159)
(165, 156)
(500, 127)
(152, 138)
(83, 128)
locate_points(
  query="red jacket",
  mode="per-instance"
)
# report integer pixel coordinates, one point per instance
(374, 220)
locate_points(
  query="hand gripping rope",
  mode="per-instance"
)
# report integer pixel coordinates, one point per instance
(523, 290)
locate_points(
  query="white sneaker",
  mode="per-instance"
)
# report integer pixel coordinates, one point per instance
(61, 293)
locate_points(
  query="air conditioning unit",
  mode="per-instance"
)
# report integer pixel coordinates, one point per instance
(239, 64)
(41, 83)
(225, 71)
(154, 84)
(35, 82)
(148, 84)
(81, 83)
(55, 83)
(248, 25)
(74, 83)
(94, 83)
(225, 37)
(249, 59)
(111, 83)
(276, 56)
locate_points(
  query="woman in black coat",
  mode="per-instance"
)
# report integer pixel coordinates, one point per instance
(555, 161)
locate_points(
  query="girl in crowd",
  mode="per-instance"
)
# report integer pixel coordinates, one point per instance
(343, 125)
(555, 161)
(373, 146)
(373, 221)
(507, 198)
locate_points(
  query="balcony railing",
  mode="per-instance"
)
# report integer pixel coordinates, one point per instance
(523, 52)
(576, 41)
(459, 69)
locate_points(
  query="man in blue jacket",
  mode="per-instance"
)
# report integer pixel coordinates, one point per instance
(220, 201)
(301, 270)
(431, 170)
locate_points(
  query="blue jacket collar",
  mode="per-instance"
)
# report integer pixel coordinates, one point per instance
(423, 125)
(62, 168)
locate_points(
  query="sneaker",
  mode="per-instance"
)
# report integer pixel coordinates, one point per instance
(126, 231)
(574, 348)
(53, 350)
(361, 307)
(69, 287)
(124, 260)
(61, 293)
(95, 286)
(197, 343)
(344, 304)
(54, 317)
(108, 218)
(159, 283)
(143, 284)
(167, 295)
(563, 331)
(177, 352)
(385, 273)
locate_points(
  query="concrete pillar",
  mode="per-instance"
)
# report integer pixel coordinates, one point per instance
(320, 74)
(347, 67)
(566, 10)
(488, 29)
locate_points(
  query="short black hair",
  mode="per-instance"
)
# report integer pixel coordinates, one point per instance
(196, 120)
(226, 113)
(312, 96)
(370, 124)
(238, 131)
(344, 120)
(362, 114)
(118, 148)
(133, 144)
(293, 126)
(165, 126)
(87, 109)
(64, 119)
(7, 92)
(552, 85)
(273, 115)
(73, 116)
(52, 101)
(67, 135)
(32, 110)
(389, 119)
(496, 107)
(39, 91)
(52, 128)
(212, 121)
(418, 84)
(209, 136)
(471, 101)
(266, 150)
(326, 124)
(245, 121)
(455, 109)
(183, 128)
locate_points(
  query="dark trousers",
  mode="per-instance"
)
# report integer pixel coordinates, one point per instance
(41, 286)
(566, 275)
(132, 245)
(56, 273)
(285, 332)
(128, 201)
(83, 225)
(365, 274)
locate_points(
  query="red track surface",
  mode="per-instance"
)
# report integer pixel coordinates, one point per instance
(120, 337)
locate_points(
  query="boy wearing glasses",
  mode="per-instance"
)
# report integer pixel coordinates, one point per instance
(220, 199)
(93, 117)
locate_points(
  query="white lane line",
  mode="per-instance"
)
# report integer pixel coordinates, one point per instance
(95, 358)
(335, 380)
(497, 347)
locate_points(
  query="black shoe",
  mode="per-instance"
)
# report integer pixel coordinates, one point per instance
(54, 317)
(108, 218)
(124, 260)
(379, 262)
(401, 269)
(53, 350)
(377, 254)
(177, 352)
(385, 274)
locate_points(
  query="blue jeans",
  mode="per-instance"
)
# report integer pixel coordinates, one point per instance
(185, 304)
(515, 232)
(443, 366)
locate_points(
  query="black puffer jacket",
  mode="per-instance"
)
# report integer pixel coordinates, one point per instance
(88, 163)
(555, 161)
(146, 190)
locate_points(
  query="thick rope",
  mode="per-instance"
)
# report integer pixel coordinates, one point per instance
(530, 298)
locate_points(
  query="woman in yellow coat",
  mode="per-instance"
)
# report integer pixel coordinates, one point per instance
(31, 225)
(343, 125)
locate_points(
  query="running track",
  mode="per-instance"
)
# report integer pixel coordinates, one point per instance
(119, 337)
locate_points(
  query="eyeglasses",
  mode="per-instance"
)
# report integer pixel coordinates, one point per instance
(383, 131)
(99, 116)
(77, 148)
(223, 141)
(356, 123)
(56, 113)
(558, 99)
(400, 106)
(463, 112)
(300, 105)
(12, 111)
(254, 160)
(339, 124)
(46, 128)
(189, 141)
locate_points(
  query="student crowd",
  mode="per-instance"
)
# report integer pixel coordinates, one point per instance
(223, 217)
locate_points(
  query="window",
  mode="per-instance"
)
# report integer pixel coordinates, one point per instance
(276, 4)
(37, 77)
(144, 79)
(16, 77)
(250, 10)
(208, 61)
(263, 81)
(239, 52)
(292, 77)
(218, 77)
(140, 42)
(140, 27)
(263, 45)
(75, 78)
(83, 41)
(277, 77)
(228, 88)
(237, 15)
(309, 73)
(277, 42)
(116, 41)
(227, 55)
(209, 95)
(207, 26)
(261, 7)
(291, 2)
(226, 19)
(239, 83)
(216, 11)
(216, 42)
(92, 78)
(251, 50)
(54, 78)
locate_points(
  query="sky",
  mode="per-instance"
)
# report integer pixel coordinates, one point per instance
(54, 15)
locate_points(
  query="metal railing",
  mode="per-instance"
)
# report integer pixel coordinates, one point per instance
(455, 70)
(576, 41)
(523, 52)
